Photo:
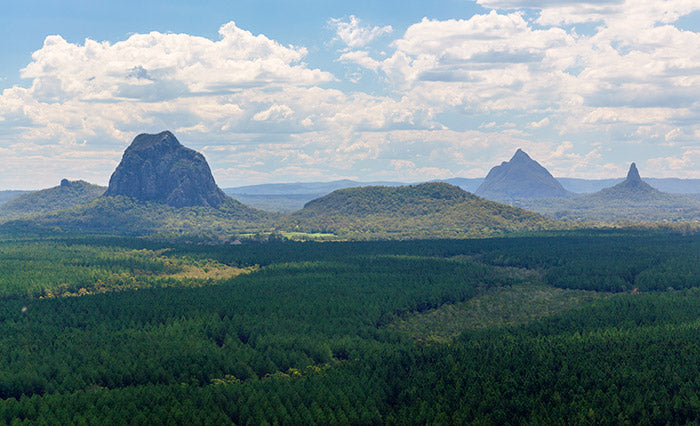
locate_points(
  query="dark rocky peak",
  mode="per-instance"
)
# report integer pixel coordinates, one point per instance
(163, 140)
(156, 167)
(72, 184)
(633, 174)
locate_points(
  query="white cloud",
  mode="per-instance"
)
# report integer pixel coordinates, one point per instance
(275, 112)
(675, 166)
(242, 89)
(632, 78)
(353, 34)
(557, 12)
(257, 107)
(360, 58)
(538, 124)
(486, 63)
(159, 66)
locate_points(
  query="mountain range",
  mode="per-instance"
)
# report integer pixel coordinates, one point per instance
(161, 186)
(289, 197)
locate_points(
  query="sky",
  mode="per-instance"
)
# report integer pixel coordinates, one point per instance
(312, 90)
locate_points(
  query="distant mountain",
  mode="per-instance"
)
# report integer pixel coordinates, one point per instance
(587, 186)
(8, 195)
(467, 184)
(427, 210)
(520, 178)
(631, 200)
(670, 185)
(299, 188)
(675, 185)
(283, 203)
(159, 186)
(289, 197)
(158, 168)
(632, 189)
(66, 195)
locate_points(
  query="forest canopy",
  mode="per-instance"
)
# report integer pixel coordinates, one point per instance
(418, 331)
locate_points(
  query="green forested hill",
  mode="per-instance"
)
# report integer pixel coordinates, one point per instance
(125, 216)
(67, 194)
(427, 210)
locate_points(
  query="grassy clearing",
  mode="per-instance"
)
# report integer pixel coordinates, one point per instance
(187, 273)
(498, 307)
(308, 236)
(206, 270)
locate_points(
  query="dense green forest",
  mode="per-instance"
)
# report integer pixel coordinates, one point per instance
(581, 327)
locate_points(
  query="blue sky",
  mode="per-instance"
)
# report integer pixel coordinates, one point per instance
(282, 91)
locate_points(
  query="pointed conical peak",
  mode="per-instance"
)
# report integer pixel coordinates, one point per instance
(633, 174)
(520, 155)
(521, 178)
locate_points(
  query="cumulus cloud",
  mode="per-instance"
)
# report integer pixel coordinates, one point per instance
(158, 66)
(456, 97)
(538, 124)
(634, 71)
(353, 34)
(485, 63)
(634, 12)
(275, 112)
(360, 58)
(241, 90)
(674, 166)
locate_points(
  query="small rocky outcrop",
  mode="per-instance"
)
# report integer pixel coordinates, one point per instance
(158, 168)
(633, 174)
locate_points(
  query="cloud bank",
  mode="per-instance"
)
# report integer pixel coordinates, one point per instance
(457, 96)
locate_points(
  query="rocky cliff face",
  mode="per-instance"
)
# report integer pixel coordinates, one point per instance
(158, 168)
(520, 178)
